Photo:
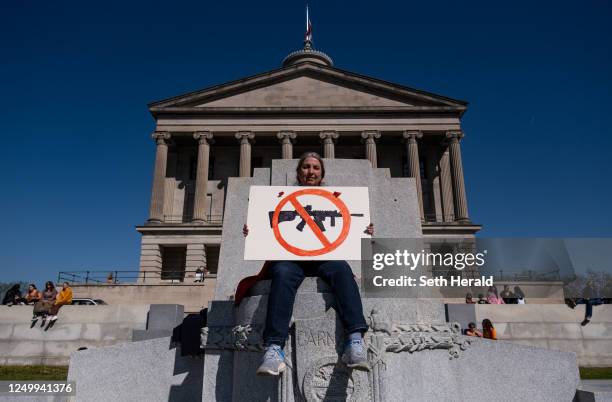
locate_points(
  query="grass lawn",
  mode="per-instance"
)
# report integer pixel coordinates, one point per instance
(596, 373)
(60, 373)
(26, 373)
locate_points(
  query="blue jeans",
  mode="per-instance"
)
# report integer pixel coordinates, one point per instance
(286, 279)
(589, 303)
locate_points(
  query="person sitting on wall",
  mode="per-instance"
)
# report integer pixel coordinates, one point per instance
(64, 297)
(488, 331)
(199, 275)
(42, 307)
(507, 295)
(519, 295)
(288, 275)
(493, 296)
(33, 294)
(13, 296)
(481, 299)
(472, 331)
(469, 299)
(589, 299)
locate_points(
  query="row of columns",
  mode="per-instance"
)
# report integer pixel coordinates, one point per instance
(454, 202)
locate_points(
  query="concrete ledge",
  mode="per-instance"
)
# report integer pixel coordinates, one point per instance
(194, 296)
(77, 327)
(552, 326)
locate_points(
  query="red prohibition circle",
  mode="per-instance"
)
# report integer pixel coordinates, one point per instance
(327, 245)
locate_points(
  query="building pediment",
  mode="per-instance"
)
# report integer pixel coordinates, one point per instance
(307, 87)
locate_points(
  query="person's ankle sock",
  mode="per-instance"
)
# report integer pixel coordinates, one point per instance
(354, 336)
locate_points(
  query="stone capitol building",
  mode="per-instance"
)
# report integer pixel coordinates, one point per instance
(204, 137)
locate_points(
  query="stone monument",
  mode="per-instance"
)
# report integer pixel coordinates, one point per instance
(414, 353)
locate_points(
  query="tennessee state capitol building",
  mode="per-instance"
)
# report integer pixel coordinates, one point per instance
(204, 137)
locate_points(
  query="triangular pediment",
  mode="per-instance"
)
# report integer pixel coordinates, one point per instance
(309, 86)
(304, 92)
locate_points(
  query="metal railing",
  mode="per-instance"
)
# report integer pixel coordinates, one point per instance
(210, 219)
(114, 277)
(529, 276)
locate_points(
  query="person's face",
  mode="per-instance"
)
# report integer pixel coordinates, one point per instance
(310, 172)
(65, 285)
(30, 288)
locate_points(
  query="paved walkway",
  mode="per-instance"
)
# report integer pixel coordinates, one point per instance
(596, 385)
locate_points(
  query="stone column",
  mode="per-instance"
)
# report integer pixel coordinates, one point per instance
(448, 211)
(370, 146)
(433, 180)
(461, 210)
(285, 138)
(200, 207)
(328, 138)
(245, 152)
(414, 169)
(156, 213)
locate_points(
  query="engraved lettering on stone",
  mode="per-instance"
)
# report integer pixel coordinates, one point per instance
(316, 338)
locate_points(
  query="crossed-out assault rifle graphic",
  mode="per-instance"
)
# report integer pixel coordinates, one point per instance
(318, 216)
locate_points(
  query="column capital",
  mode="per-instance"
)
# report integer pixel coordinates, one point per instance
(454, 135)
(244, 136)
(329, 135)
(160, 137)
(370, 135)
(286, 135)
(412, 135)
(203, 136)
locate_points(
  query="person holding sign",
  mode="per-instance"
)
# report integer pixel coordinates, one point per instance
(288, 275)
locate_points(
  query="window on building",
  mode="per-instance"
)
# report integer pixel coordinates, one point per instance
(212, 257)
(173, 262)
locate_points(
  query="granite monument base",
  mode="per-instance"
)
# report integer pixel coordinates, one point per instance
(413, 352)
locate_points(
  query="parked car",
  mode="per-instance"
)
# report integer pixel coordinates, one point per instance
(84, 301)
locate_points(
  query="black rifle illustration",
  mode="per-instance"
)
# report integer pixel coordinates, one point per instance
(318, 216)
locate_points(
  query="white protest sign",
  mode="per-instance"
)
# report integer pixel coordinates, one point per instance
(306, 223)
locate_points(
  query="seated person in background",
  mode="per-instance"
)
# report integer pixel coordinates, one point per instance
(12, 296)
(468, 299)
(472, 331)
(507, 295)
(288, 275)
(488, 331)
(64, 297)
(110, 279)
(493, 296)
(33, 294)
(519, 295)
(199, 275)
(481, 299)
(43, 306)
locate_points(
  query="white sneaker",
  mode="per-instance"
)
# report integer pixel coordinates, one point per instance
(53, 318)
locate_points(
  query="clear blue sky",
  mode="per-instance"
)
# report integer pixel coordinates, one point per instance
(76, 157)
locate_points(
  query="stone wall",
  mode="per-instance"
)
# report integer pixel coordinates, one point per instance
(76, 327)
(552, 326)
(194, 296)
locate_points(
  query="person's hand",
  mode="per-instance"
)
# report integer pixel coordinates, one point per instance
(245, 230)
(370, 229)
